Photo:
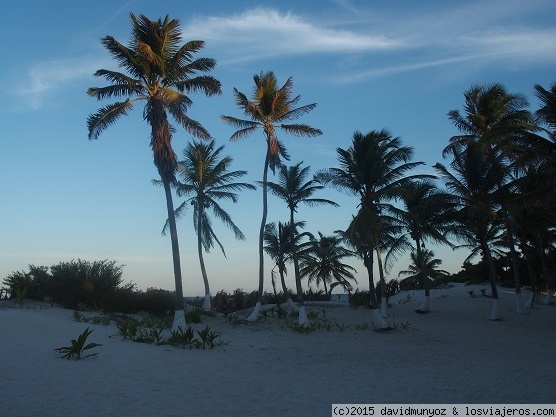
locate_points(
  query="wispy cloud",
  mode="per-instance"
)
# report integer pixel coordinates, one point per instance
(46, 77)
(269, 32)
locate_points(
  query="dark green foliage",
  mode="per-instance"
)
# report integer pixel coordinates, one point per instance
(238, 300)
(68, 283)
(94, 285)
(362, 298)
(318, 295)
(78, 347)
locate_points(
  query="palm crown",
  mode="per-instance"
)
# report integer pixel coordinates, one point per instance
(160, 71)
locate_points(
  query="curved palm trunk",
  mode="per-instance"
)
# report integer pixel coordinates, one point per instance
(383, 305)
(179, 314)
(487, 257)
(375, 313)
(425, 307)
(206, 302)
(291, 305)
(255, 314)
(303, 320)
(515, 269)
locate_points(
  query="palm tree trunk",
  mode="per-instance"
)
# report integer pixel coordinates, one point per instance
(255, 314)
(383, 311)
(532, 275)
(303, 320)
(179, 314)
(375, 313)
(426, 284)
(206, 301)
(545, 269)
(513, 257)
(487, 258)
(287, 295)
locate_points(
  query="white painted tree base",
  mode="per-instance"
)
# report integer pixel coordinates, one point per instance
(495, 315)
(291, 305)
(206, 303)
(383, 307)
(529, 303)
(254, 316)
(548, 299)
(179, 320)
(303, 319)
(519, 308)
(378, 320)
(425, 306)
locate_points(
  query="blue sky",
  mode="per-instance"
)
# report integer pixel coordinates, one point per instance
(368, 64)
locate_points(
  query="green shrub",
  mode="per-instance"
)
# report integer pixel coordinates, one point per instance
(78, 347)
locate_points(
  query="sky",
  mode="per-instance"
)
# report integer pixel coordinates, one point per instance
(400, 65)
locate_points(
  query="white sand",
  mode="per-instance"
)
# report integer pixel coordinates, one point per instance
(452, 355)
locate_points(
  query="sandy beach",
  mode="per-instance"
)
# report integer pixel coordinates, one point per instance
(452, 355)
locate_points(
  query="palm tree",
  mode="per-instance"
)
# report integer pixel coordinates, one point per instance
(159, 72)
(422, 265)
(204, 175)
(547, 113)
(375, 169)
(476, 187)
(293, 190)
(321, 260)
(425, 216)
(501, 122)
(278, 247)
(269, 108)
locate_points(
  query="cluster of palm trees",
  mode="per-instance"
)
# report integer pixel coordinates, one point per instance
(496, 198)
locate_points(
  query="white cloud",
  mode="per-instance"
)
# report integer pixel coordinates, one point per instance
(46, 77)
(268, 32)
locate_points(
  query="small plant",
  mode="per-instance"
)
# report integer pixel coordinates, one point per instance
(20, 294)
(208, 337)
(128, 328)
(78, 347)
(327, 325)
(193, 316)
(150, 336)
(313, 315)
(182, 338)
(231, 317)
(472, 294)
(362, 326)
(405, 325)
(341, 327)
(78, 316)
(265, 313)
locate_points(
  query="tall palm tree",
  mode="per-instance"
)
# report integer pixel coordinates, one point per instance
(423, 265)
(475, 182)
(294, 190)
(500, 122)
(321, 261)
(204, 175)
(160, 71)
(425, 216)
(375, 168)
(269, 108)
